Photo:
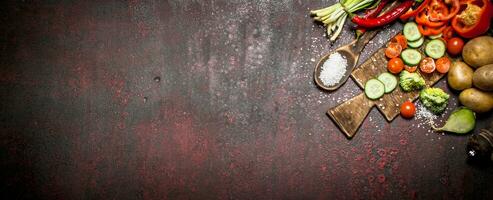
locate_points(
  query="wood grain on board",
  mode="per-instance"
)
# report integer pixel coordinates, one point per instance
(350, 115)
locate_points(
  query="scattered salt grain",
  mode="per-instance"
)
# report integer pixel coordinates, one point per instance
(333, 69)
(424, 114)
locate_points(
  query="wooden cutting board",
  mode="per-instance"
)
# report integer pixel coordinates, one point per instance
(350, 115)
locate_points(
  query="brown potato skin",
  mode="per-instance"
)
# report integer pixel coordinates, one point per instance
(483, 78)
(477, 100)
(478, 51)
(459, 76)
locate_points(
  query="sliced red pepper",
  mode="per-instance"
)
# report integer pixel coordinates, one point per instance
(424, 20)
(425, 30)
(448, 33)
(453, 11)
(482, 23)
(413, 13)
(436, 9)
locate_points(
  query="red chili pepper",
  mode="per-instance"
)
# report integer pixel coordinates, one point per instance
(372, 13)
(479, 26)
(412, 13)
(386, 18)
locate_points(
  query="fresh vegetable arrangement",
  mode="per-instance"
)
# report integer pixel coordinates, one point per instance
(439, 37)
(415, 49)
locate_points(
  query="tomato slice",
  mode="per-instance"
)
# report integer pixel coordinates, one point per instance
(443, 65)
(393, 50)
(427, 65)
(411, 68)
(400, 39)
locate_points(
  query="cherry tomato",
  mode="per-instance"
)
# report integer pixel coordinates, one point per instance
(427, 65)
(400, 39)
(443, 65)
(454, 46)
(408, 109)
(393, 50)
(411, 68)
(395, 65)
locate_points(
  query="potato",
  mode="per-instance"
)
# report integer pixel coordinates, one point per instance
(459, 76)
(483, 78)
(477, 100)
(478, 51)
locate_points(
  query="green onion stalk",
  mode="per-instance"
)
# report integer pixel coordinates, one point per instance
(334, 17)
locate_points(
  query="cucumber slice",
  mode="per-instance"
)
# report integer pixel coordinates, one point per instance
(374, 89)
(389, 81)
(411, 32)
(411, 57)
(417, 43)
(435, 48)
(435, 36)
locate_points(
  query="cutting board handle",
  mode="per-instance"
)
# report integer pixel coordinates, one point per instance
(350, 115)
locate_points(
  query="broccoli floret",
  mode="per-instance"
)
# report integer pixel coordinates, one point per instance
(411, 81)
(434, 99)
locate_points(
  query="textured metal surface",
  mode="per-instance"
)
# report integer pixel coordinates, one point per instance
(234, 113)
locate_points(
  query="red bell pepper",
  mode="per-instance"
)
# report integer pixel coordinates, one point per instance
(474, 20)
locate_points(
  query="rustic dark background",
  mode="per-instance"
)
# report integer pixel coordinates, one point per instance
(191, 99)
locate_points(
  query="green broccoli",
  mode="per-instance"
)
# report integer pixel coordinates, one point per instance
(411, 81)
(434, 99)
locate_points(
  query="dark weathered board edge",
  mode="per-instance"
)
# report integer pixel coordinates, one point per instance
(350, 134)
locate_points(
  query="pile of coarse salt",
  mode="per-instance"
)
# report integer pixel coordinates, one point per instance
(333, 69)
(424, 114)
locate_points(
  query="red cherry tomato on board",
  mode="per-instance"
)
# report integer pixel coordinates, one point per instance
(443, 65)
(408, 109)
(395, 65)
(454, 46)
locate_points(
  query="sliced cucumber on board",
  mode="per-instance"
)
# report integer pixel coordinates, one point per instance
(435, 36)
(417, 43)
(411, 57)
(411, 32)
(374, 89)
(389, 81)
(435, 48)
